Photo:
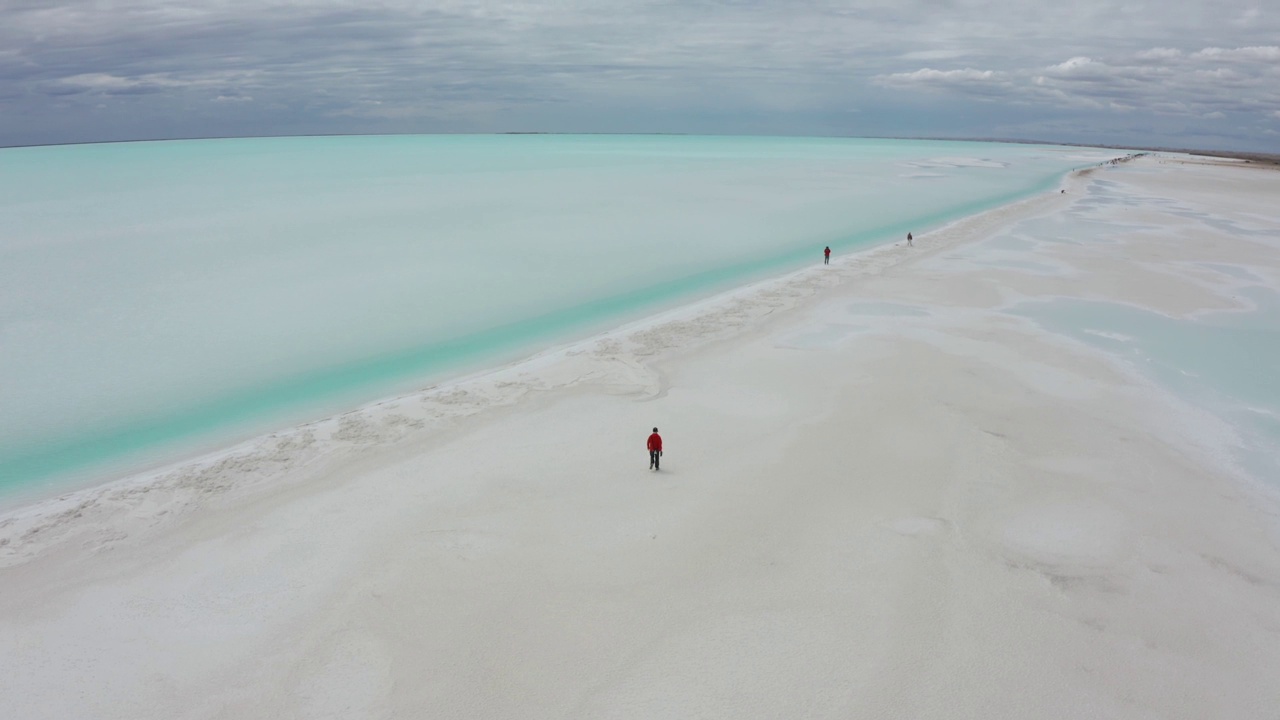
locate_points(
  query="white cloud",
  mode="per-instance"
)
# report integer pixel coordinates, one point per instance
(929, 76)
(95, 80)
(110, 84)
(1256, 53)
(1204, 85)
(933, 54)
(1159, 54)
(101, 81)
(1074, 65)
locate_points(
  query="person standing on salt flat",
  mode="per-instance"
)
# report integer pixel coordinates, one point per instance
(909, 240)
(826, 256)
(655, 449)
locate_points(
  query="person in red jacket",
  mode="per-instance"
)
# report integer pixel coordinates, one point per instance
(655, 449)
(826, 255)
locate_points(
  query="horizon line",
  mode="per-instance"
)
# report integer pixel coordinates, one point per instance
(1237, 154)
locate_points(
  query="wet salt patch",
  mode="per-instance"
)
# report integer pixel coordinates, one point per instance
(986, 259)
(1254, 306)
(1040, 377)
(914, 176)
(1221, 223)
(1120, 337)
(1066, 535)
(753, 402)
(828, 336)
(1067, 464)
(830, 327)
(1010, 242)
(913, 526)
(1038, 268)
(1232, 282)
(1263, 220)
(1204, 398)
(957, 162)
(1239, 272)
(1196, 408)
(887, 309)
(1039, 308)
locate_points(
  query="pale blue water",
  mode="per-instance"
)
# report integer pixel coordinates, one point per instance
(159, 297)
(1222, 361)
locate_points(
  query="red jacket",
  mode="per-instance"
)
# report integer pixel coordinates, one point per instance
(655, 442)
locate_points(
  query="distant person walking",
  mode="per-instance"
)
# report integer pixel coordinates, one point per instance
(655, 449)
(909, 240)
(826, 256)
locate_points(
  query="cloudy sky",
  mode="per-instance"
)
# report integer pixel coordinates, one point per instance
(1185, 73)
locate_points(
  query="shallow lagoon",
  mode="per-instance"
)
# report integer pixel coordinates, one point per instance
(1222, 362)
(160, 298)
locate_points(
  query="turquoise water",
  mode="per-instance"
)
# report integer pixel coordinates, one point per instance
(156, 298)
(1220, 361)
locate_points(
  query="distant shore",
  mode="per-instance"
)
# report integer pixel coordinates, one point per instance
(1258, 157)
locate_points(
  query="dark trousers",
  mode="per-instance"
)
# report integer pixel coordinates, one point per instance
(654, 455)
